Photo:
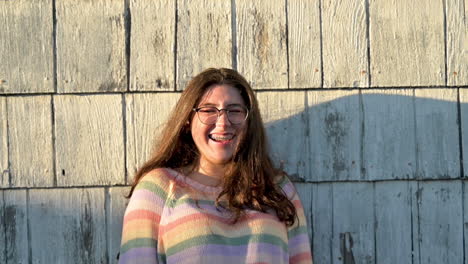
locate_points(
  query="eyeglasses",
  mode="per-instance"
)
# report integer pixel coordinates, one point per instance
(209, 115)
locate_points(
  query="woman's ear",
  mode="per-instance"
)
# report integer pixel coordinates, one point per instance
(187, 126)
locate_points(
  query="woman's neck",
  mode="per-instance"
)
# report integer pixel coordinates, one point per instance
(208, 174)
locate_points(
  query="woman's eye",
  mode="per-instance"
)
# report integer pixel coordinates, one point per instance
(236, 110)
(208, 111)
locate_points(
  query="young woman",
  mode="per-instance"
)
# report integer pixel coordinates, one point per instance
(210, 193)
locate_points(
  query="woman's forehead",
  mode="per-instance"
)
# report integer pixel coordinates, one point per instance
(222, 94)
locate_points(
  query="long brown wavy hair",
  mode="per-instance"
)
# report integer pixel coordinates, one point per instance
(250, 180)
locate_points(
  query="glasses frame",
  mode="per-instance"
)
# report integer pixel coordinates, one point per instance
(226, 110)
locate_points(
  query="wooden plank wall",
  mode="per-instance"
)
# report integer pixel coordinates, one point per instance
(365, 104)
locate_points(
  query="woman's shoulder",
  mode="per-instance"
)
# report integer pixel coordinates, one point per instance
(161, 177)
(284, 183)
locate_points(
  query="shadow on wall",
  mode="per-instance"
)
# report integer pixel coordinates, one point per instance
(360, 159)
(365, 136)
(378, 172)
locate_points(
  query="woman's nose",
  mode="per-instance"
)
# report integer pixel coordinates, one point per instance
(223, 118)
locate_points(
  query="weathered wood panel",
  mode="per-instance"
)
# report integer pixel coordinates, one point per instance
(67, 226)
(89, 140)
(353, 223)
(30, 141)
(344, 44)
(322, 223)
(152, 45)
(204, 37)
(115, 212)
(16, 226)
(26, 47)
(437, 133)
(146, 116)
(335, 135)
(91, 46)
(464, 127)
(465, 217)
(261, 43)
(4, 169)
(441, 228)
(394, 220)
(305, 194)
(415, 202)
(304, 43)
(389, 144)
(457, 42)
(407, 43)
(2, 230)
(285, 119)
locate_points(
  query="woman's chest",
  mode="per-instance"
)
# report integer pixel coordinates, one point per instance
(201, 230)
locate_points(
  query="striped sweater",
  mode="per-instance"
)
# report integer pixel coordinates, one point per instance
(172, 219)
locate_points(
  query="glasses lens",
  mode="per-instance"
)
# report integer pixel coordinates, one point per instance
(208, 115)
(237, 114)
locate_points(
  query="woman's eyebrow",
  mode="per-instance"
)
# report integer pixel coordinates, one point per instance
(215, 105)
(207, 104)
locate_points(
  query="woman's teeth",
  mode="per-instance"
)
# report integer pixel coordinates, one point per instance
(221, 138)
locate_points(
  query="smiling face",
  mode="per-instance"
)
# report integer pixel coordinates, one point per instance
(216, 143)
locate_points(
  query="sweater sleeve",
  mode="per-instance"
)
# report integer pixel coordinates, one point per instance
(141, 221)
(298, 239)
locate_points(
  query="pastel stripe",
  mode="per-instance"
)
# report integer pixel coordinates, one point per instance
(239, 252)
(305, 257)
(232, 241)
(152, 187)
(149, 196)
(139, 214)
(148, 253)
(297, 241)
(138, 243)
(216, 218)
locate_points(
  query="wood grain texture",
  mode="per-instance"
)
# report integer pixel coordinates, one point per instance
(457, 42)
(465, 216)
(146, 116)
(115, 212)
(67, 225)
(437, 136)
(91, 46)
(2, 229)
(322, 223)
(389, 144)
(415, 202)
(344, 44)
(464, 127)
(261, 43)
(204, 37)
(394, 219)
(335, 135)
(152, 45)
(305, 194)
(89, 140)
(441, 236)
(4, 168)
(16, 228)
(285, 119)
(304, 43)
(407, 43)
(26, 50)
(30, 141)
(353, 223)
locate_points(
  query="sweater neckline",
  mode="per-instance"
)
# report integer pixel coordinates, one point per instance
(194, 184)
